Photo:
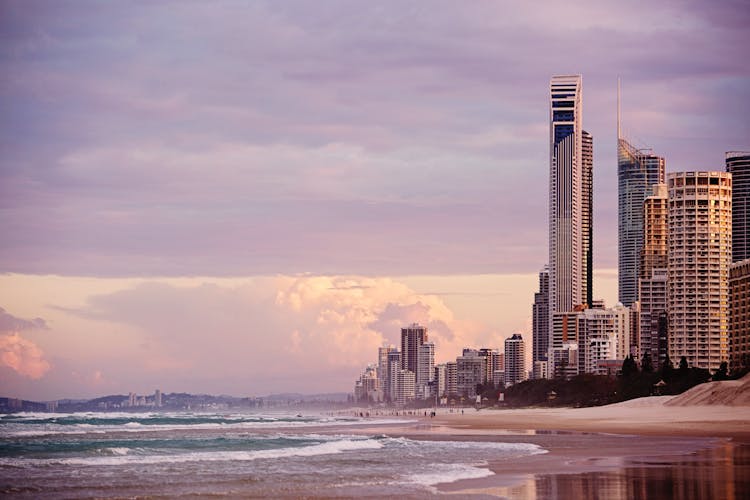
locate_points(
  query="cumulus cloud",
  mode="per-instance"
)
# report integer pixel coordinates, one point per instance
(306, 333)
(23, 356)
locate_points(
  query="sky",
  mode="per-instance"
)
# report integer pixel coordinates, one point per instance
(250, 197)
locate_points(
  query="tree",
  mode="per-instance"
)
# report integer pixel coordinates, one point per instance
(646, 366)
(666, 368)
(683, 364)
(629, 368)
(721, 373)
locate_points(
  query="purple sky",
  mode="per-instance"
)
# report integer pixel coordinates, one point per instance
(379, 139)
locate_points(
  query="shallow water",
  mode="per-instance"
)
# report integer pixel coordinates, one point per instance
(189, 454)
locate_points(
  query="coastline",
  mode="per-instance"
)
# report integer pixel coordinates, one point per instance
(642, 437)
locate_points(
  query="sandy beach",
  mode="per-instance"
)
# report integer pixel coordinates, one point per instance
(623, 446)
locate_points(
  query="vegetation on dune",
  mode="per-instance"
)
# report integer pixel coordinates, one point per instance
(594, 390)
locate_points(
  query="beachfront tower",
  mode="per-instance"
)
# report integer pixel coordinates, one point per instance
(412, 337)
(699, 256)
(515, 359)
(569, 197)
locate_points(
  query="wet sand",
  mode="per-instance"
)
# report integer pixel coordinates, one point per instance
(638, 445)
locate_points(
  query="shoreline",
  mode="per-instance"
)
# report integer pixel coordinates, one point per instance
(583, 441)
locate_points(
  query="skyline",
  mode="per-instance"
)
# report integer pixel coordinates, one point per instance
(211, 189)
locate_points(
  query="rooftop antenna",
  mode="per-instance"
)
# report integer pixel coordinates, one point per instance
(618, 109)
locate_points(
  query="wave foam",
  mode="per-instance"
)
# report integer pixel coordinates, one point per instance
(449, 473)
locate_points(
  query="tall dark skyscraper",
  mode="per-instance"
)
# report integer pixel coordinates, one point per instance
(540, 318)
(738, 164)
(412, 337)
(570, 196)
(637, 171)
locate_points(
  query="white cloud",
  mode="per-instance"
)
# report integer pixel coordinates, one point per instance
(23, 356)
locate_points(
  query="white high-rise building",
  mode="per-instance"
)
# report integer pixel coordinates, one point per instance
(406, 385)
(441, 379)
(603, 335)
(515, 359)
(700, 253)
(570, 206)
(425, 369)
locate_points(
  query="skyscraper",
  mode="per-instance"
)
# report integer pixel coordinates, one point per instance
(569, 197)
(412, 337)
(515, 359)
(425, 369)
(738, 164)
(700, 253)
(540, 319)
(637, 171)
(652, 284)
(587, 215)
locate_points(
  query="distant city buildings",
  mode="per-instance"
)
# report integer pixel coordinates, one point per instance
(680, 294)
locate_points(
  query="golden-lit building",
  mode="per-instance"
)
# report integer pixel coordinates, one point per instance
(700, 253)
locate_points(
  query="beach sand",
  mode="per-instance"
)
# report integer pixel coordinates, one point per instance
(612, 451)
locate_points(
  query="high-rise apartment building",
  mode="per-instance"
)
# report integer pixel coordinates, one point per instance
(540, 319)
(451, 378)
(383, 379)
(568, 191)
(700, 253)
(652, 284)
(738, 164)
(653, 316)
(412, 337)
(425, 369)
(441, 380)
(471, 368)
(739, 316)
(405, 386)
(637, 171)
(603, 335)
(515, 359)
(653, 253)
(394, 365)
(587, 215)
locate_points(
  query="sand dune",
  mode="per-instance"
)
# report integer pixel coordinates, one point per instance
(726, 393)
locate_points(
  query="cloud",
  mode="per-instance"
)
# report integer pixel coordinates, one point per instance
(305, 333)
(10, 323)
(22, 356)
(381, 139)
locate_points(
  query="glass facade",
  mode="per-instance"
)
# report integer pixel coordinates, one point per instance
(738, 164)
(637, 172)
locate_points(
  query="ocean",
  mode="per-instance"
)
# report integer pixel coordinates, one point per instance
(194, 454)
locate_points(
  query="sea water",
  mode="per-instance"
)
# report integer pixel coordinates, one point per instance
(84, 455)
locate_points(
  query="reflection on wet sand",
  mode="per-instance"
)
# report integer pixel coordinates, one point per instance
(722, 472)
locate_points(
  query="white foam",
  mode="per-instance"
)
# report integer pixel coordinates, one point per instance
(449, 473)
(514, 448)
(117, 451)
